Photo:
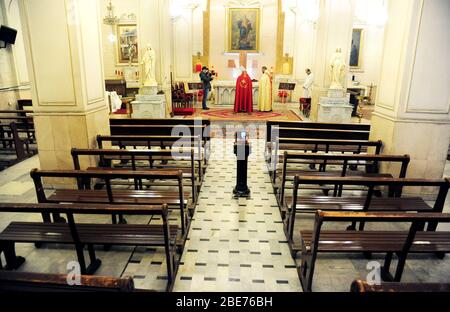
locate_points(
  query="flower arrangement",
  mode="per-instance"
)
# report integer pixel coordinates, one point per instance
(282, 94)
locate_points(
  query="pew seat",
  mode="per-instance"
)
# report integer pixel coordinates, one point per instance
(376, 241)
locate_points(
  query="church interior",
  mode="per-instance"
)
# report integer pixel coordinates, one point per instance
(225, 145)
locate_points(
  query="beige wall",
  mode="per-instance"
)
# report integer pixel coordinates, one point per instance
(8, 98)
(10, 71)
(412, 114)
(121, 7)
(188, 39)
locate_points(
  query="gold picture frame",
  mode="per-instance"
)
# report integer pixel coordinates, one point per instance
(356, 49)
(126, 43)
(244, 30)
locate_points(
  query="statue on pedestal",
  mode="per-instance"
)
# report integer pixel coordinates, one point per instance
(337, 70)
(148, 62)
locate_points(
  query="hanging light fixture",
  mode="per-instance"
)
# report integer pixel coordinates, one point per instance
(110, 18)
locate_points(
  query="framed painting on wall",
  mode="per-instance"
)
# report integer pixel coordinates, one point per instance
(127, 44)
(356, 51)
(243, 29)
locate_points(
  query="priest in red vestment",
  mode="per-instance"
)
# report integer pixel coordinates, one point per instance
(243, 102)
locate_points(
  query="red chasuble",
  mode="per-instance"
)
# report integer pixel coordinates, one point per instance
(243, 101)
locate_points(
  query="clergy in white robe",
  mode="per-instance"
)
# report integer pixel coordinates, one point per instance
(265, 92)
(307, 86)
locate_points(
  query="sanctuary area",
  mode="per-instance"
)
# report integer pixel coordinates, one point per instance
(225, 146)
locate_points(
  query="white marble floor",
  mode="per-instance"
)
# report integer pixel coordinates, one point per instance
(237, 245)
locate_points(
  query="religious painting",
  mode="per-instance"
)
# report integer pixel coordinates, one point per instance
(356, 51)
(127, 44)
(243, 29)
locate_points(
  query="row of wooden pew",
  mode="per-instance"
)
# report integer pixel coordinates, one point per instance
(36, 282)
(17, 134)
(152, 174)
(335, 172)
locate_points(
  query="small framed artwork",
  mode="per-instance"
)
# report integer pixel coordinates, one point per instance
(356, 52)
(243, 29)
(127, 44)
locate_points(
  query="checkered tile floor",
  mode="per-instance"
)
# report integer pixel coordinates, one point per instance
(236, 245)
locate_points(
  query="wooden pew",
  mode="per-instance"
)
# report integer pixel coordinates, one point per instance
(363, 287)
(25, 128)
(328, 145)
(310, 204)
(14, 143)
(318, 145)
(315, 146)
(166, 130)
(83, 234)
(370, 162)
(203, 124)
(23, 121)
(400, 243)
(157, 130)
(159, 121)
(106, 156)
(16, 111)
(22, 103)
(84, 193)
(273, 132)
(40, 282)
(161, 141)
(311, 125)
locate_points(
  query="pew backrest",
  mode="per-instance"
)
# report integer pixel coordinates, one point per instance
(346, 161)
(39, 282)
(311, 125)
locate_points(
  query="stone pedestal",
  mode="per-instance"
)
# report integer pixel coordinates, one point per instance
(335, 107)
(149, 106)
(149, 90)
(333, 29)
(334, 113)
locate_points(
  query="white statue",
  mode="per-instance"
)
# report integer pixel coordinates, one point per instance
(148, 62)
(337, 70)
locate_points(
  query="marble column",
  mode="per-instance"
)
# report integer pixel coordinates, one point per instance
(412, 113)
(334, 29)
(64, 58)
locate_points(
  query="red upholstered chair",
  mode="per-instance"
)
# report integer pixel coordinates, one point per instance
(182, 103)
(305, 106)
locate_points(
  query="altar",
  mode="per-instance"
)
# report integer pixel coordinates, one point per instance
(225, 92)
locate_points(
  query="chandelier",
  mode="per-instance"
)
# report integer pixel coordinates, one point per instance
(110, 18)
